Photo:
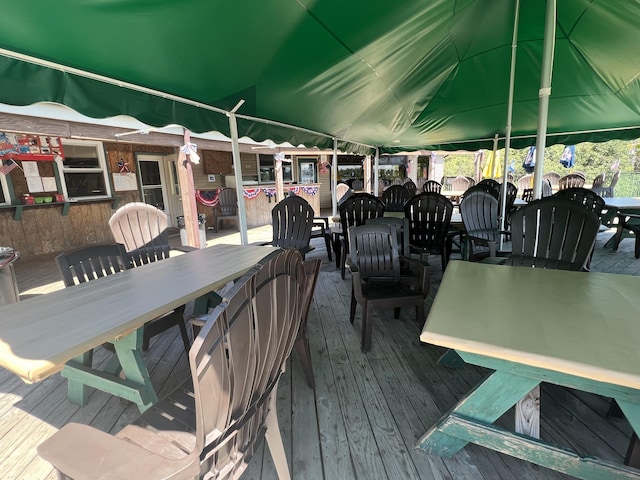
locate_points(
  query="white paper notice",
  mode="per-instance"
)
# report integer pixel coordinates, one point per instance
(34, 184)
(30, 169)
(49, 184)
(125, 181)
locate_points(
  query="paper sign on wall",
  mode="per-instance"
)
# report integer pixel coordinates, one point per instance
(124, 181)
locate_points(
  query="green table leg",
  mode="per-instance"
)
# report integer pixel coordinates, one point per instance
(486, 403)
(136, 385)
(77, 391)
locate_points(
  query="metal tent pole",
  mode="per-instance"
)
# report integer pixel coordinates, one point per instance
(507, 139)
(376, 173)
(334, 178)
(544, 94)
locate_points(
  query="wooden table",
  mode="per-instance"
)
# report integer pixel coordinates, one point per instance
(613, 207)
(568, 328)
(51, 332)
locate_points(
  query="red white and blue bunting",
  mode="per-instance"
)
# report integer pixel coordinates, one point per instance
(208, 198)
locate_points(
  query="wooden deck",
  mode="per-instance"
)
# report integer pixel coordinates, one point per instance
(365, 415)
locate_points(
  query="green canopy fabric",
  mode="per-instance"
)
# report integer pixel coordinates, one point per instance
(399, 75)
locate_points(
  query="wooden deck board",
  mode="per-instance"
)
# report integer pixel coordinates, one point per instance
(365, 415)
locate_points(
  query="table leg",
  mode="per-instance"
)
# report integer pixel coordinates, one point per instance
(136, 385)
(485, 404)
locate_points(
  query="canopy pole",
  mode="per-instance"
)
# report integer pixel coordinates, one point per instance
(376, 173)
(334, 178)
(237, 167)
(188, 194)
(507, 138)
(544, 94)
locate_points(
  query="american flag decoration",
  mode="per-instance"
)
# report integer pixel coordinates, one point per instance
(7, 167)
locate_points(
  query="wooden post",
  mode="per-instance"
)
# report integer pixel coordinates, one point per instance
(188, 194)
(277, 163)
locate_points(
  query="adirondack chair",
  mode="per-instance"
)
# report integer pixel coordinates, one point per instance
(395, 197)
(96, 261)
(571, 180)
(210, 426)
(292, 222)
(227, 208)
(429, 215)
(552, 177)
(432, 186)
(355, 210)
(311, 268)
(375, 267)
(142, 229)
(411, 187)
(480, 209)
(553, 232)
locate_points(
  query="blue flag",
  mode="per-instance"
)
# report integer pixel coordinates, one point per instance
(568, 158)
(530, 160)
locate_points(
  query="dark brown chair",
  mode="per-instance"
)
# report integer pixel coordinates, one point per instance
(432, 186)
(96, 261)
(553, 232)
(354, 211)
(429, 217)
(395, 197)
(585, 197)
(292, 222)
(480, 209)
(375, 267)
(212, 424)
(411, 187)
(311, 268)
(142, 229)
(321, 229)
(227, 208)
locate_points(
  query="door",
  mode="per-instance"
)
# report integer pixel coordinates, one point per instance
(153, 179)
(173, 188)
(307, 170)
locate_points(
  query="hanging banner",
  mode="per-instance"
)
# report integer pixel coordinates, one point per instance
(22, 146)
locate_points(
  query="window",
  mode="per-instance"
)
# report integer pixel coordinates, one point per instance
(83, 170)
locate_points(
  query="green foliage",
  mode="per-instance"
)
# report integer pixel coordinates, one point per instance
(591, 159)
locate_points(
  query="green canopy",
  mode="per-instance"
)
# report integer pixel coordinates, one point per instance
(399, 75)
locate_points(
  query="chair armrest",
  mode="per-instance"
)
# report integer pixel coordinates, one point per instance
(184, 248)
(422, 271)
(84, 452)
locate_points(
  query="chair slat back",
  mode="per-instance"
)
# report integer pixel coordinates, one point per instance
(374, 250)
(480, 212)
(238, 357)
(359, 207)
(90, 263)
(228, 202)
(571, 180)
(429, 215)
(553, 232)
(585, 197)
(292, 222)
(142, 229)
(394, 198)
(432, 186)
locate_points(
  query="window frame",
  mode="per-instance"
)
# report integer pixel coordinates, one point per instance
(103, 168)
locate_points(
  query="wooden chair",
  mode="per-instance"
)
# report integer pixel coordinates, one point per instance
(227, 208)
(142, 229)
(395, 197)
(480, 209)
(553, 232)
(375, 267)
(432, 186)
(354, 211)
(571, 180)
(96, 261)
(212, 424)
(292, 221)
(429, 215)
